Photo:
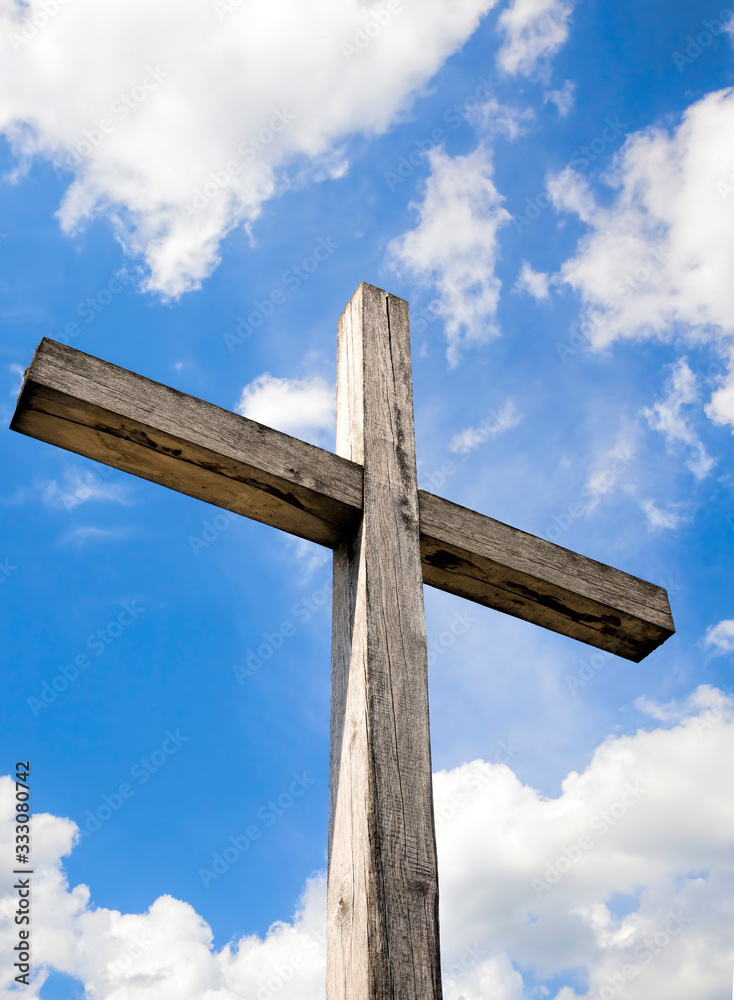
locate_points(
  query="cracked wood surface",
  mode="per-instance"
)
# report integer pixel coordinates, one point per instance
(382, 899)
(124, 420)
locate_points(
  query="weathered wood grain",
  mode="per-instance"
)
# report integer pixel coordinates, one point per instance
(116, 417)
(382, 909)
(132, 423)
(489, 562)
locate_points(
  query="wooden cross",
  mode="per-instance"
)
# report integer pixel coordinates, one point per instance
(388, 538)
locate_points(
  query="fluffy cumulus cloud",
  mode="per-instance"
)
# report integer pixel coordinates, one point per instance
(621, 884)
(166, 951)
(532, 282)
(454, 247)
(303, 407)
(174, 149)
(720, 408)
(532, 30)
(657, 257)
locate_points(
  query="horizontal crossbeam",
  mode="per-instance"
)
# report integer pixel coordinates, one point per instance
(489, 562)
(121, 419)
(129, 422)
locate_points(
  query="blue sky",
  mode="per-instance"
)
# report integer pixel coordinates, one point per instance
(551, 187)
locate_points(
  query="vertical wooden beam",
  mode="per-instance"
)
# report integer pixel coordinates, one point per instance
(382, 929)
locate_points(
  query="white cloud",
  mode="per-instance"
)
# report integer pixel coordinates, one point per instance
(455, 245)
(302, 407)
(310, 555)
(611, 468)
(704, 699)
(82, 536)
(175, 151)
(669, 519)
(721, 637)
(646, 818)
(166, 951)
(528, 883)
(535, 283)
(668, 418)
(563, 98)
(657, 260)
(720, 409)
(19, 373)
(83, 487)
(533, 31)
(76, 488)
(663, 713)
(492, 426)
(492, 118)
(493, 977)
